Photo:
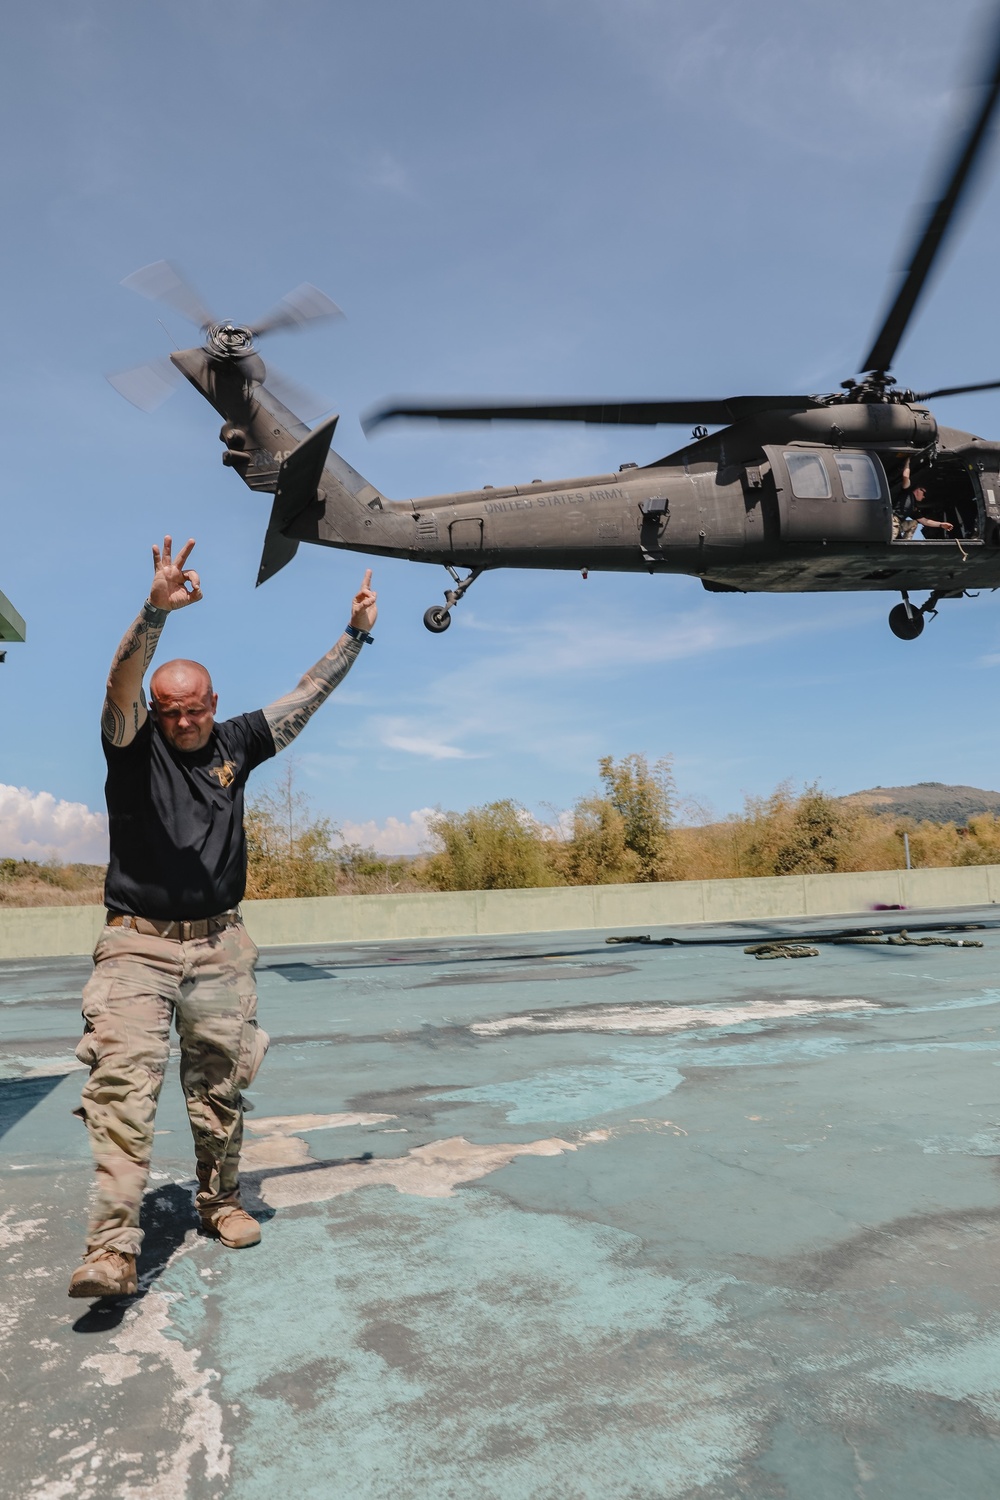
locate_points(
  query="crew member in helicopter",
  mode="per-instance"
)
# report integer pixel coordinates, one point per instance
(174, 947)
(908, 511)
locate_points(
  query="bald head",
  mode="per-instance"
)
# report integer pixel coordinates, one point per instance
(184, 703)
(180, 676)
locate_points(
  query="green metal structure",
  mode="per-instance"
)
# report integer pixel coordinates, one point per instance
(12, 627)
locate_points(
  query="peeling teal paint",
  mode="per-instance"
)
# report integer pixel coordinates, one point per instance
(760, 1259)
(561, 1095)
(473, 1349)
(968, 1370)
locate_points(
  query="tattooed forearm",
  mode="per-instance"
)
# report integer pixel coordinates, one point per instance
(125, 704)
(290, 714)
(139, 640)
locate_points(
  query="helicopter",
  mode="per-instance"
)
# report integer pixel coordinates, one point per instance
(795, 493)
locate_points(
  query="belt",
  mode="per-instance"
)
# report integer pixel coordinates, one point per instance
(180, 932)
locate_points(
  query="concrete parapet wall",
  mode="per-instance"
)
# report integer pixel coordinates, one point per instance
(48, 931)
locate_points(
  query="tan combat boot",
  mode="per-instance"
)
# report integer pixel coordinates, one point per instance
(233, 1225)
(109, 1275)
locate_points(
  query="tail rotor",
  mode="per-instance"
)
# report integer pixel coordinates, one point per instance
(148, 385)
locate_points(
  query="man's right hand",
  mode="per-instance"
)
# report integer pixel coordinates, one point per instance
(173, 586)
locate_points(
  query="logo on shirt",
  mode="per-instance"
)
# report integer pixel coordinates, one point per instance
(226, 773)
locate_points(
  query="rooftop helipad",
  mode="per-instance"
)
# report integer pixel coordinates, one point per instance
(546, 1219)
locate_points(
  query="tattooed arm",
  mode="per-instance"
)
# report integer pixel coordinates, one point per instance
(125, 702)
(290, 714)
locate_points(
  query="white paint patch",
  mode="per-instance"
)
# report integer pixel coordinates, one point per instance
(432, 1171)
(113, 1368)
(966, 1371)
(58, 1066)
(275, 1151)
(661, 1018)
(280, 1145)
(292, 1124)
(145, 1332)
(59, 1489)
(13, 1233)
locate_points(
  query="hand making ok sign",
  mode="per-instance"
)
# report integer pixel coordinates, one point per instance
(174, 585)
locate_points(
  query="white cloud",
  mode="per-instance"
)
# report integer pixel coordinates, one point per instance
(421, 744)
(394, 836)
(34, 825)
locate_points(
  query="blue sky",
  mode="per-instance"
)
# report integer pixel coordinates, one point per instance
(568, 197)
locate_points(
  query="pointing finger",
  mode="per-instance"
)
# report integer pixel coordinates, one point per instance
(367, 580)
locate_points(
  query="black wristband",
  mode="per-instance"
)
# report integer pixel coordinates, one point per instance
(359, 635)
(153, 614)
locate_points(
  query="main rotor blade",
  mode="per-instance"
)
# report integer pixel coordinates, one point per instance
(956, 390)
(941, 213)
(613, 413)
(162, 282)
(308, 405)
(147, 386)
(306, 304)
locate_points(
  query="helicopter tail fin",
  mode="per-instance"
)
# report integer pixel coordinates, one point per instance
(298, 486)
(318, 496)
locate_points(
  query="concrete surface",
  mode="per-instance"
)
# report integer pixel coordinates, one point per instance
(36, 932)
(545, 1219)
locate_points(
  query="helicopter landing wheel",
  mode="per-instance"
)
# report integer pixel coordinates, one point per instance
(437, 618)
(905, 622)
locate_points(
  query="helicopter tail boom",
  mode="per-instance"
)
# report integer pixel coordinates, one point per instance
(319, 497)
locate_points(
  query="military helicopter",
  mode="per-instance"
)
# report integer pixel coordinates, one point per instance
(796, 493)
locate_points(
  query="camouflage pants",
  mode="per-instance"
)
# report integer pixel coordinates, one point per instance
(139, 984)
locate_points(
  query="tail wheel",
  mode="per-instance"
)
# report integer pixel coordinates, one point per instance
(437, 618)
(904, 622)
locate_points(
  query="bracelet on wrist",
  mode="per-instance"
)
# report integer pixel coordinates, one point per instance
(153, 614)
(359, 635)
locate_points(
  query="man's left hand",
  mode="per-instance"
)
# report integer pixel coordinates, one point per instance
(364, 610)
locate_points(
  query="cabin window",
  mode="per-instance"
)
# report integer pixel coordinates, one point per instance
(858, 477)
(807, 472)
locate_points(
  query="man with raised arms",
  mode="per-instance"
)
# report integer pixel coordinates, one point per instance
(174, 947)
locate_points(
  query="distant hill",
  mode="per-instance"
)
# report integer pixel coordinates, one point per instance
(934, 801)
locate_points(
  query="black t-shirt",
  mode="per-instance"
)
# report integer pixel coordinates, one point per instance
(178, 850)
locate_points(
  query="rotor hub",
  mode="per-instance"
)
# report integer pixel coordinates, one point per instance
(876, 387)
(229, 340)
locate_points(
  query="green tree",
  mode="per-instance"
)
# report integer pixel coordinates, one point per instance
(979, 841)
(819, 835)
(290, 851)
(597, 853)
(644, 797)
(787, 834)
(495, 847)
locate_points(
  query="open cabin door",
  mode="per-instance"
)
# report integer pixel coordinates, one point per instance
(830, 495)
(985, 473)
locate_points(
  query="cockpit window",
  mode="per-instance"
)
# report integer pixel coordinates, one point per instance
(858, 476)
(807, 472)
